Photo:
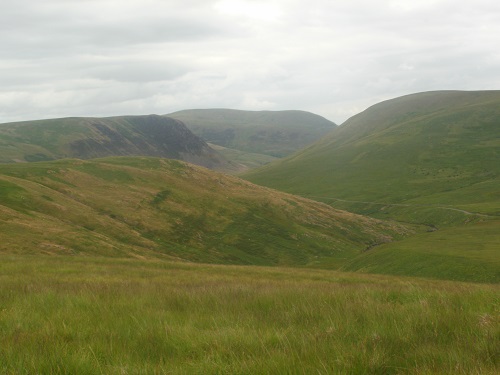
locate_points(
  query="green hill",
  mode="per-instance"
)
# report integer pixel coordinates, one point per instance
(272, 133)
(422, 150)
(87, 138)
(149, 207)
(430, 158)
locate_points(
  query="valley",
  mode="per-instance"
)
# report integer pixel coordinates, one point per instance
(221, 241)
(429, 159)
(387, 179)
(258, 136)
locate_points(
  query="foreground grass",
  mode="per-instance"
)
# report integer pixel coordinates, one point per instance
(76, 315)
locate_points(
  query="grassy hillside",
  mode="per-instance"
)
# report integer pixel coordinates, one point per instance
(148, 207)
(86, 315)
(465, 253)
(87, 138)
(272, 133)
(438, 148)
(430, 158)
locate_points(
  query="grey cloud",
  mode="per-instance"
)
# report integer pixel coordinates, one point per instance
(41, 29)
(138, 71)
(109, 57)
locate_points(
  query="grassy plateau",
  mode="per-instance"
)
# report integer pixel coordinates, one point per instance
(102, 315)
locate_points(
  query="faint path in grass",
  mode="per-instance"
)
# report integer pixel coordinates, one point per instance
(404, 205)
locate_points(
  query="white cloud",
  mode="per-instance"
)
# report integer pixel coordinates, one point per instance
(110, 57)
(253, 10)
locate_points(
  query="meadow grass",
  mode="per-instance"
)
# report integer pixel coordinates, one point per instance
(86, 315)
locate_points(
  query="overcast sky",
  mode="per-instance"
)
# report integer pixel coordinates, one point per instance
(335, 58)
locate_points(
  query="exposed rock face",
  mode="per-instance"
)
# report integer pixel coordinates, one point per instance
(87, 138)
(146, 136)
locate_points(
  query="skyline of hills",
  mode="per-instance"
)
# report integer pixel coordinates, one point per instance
(429, 160)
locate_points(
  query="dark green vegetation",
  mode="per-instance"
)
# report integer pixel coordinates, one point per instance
(149, 207)
(87, 138)
(431, 159)
(85, 315)
(271, 133)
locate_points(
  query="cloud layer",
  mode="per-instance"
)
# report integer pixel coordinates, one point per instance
(335, 58)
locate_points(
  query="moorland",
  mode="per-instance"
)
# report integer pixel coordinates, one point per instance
(128, 246)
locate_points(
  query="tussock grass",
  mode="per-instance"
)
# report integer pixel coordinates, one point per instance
(67, 315)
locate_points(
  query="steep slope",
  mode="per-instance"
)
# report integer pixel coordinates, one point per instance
(87, 138)
(430, 158)
(272, 133)
(433, 149)
(166, 208)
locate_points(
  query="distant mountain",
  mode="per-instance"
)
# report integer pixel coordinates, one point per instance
(272, 133)
(431, 158)
(87, 138)
(152, 207)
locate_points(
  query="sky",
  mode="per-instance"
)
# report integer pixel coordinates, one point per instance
(61, 58)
